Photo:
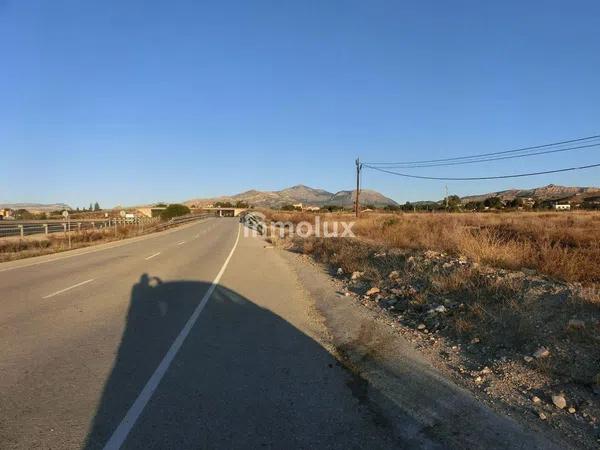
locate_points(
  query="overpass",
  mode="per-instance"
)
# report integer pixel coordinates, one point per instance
(225, 211)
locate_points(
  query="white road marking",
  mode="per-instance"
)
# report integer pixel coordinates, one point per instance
(182, 242)
(196, 237)
(152, 256)
(69, 288)
(120, 434)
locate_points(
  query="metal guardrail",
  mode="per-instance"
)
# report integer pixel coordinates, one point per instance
(45, 227)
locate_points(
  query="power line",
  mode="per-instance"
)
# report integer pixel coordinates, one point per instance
(460, 158)
(568, 169)
(498, 158)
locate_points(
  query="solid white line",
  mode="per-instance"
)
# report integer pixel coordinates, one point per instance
(120, 434)
(69, 288)
(182, 242)
(152, 256)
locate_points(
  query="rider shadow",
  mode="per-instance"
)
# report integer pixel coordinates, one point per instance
(244, 377)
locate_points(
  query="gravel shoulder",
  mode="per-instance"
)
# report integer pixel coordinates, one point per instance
(403, 386)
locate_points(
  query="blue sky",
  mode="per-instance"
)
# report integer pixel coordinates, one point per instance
(129, 102)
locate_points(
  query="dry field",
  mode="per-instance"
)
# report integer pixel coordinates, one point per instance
(12, 248)
(565, 246)
(482, 295)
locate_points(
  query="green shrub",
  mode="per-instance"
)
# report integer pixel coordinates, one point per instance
(174, 210)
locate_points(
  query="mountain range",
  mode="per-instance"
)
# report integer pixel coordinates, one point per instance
(550, 192)
(319, 197)
(299, 194)
(36, 207)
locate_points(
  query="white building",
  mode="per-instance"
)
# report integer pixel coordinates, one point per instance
(562, 207)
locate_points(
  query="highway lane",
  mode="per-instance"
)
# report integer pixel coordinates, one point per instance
(29, 284)
(74, 363)
(94, 364)
(82, 328)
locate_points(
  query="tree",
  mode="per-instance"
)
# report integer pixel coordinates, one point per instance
(493, 202)
(474, 206)
(23, 214)
(223, 205)
(96, 206)
(516, 202)
(174, 210)
(454, 202)
(288, 208)
(241, 204)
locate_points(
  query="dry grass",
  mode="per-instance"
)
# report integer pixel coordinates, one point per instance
(11, 249)
(511, 312)
(565, 246)
(508, 313)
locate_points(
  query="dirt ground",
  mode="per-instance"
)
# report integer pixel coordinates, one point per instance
(521, 342)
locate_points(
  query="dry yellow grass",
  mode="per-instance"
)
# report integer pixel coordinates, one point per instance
(11, 249)
(563, 245)
(512, 313)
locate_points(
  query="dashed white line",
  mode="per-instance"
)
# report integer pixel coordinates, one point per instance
(152, 256)
(69, 288)
(120, 434)
(182, 242)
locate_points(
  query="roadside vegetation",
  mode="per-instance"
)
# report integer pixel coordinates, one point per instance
(508, 303)
(563, 245)
(13, 247)
(174, 210)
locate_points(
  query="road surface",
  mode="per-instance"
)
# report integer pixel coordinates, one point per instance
(198, 338)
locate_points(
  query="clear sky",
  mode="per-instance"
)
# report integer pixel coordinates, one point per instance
(128, 102)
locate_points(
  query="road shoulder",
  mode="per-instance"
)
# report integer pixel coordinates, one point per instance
(396, 374)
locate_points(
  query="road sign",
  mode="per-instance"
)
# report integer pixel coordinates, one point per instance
(65, 213)
(122, 213)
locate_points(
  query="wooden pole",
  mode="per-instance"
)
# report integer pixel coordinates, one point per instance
(356, 202)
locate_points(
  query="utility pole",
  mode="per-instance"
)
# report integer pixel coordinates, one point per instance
(356, 203)
(446, 198)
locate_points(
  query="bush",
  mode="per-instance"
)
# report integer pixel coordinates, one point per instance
(174, 210)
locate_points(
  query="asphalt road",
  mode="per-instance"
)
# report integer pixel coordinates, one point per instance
(190, 338)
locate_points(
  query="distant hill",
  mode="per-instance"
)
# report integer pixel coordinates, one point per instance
(544, 193)
(299, 194)
(36, 207)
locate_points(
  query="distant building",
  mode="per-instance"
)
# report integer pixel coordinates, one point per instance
(298, 206)
(312, 208)
(528, 201)
(5, 213)
(151, 211)
(562, 206)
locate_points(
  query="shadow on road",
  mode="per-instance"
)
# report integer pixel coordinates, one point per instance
(243, 378)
